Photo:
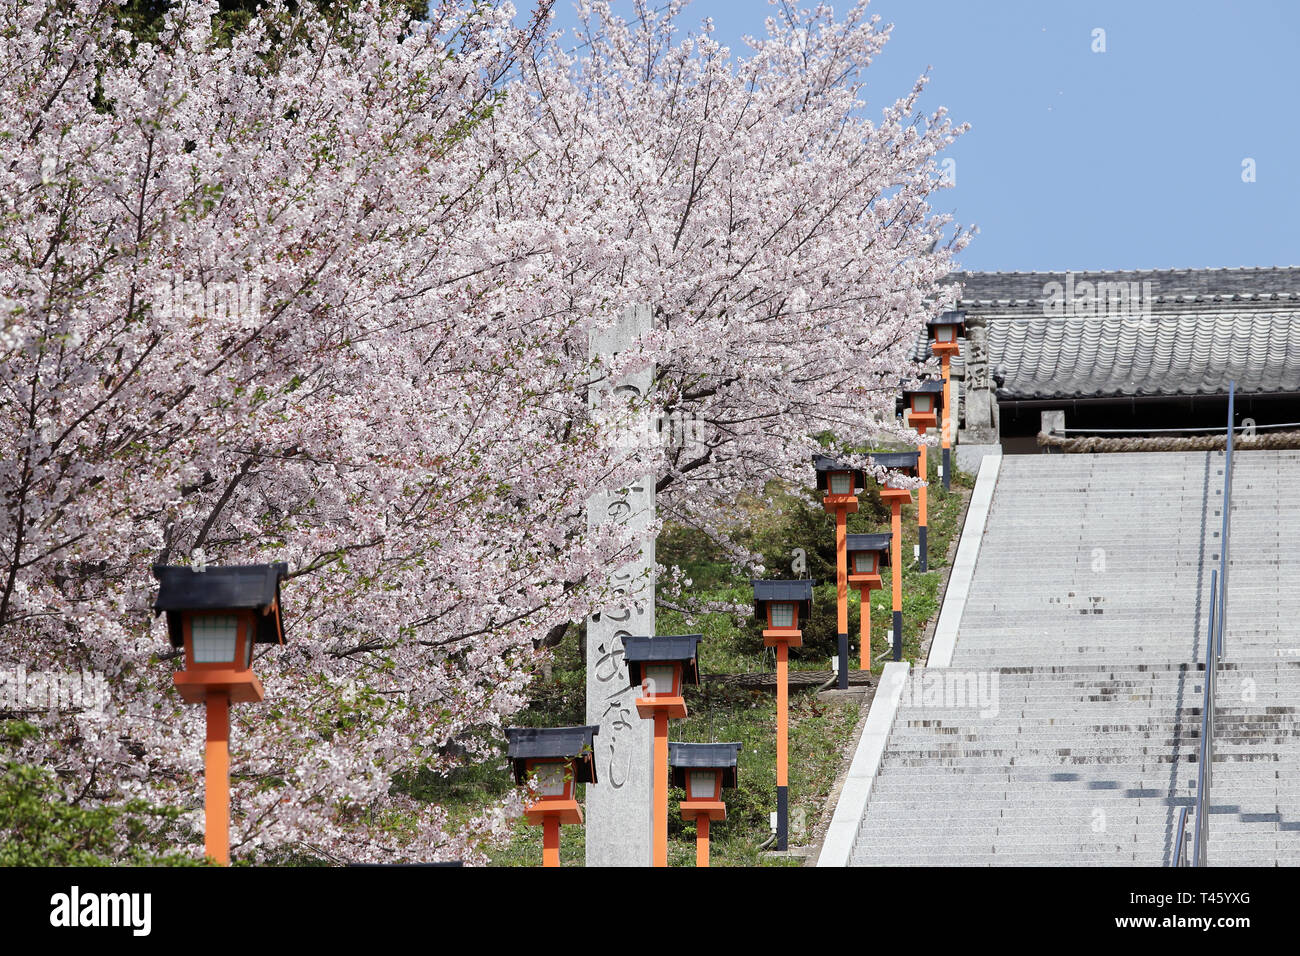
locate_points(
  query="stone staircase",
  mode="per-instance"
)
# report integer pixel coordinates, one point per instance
(1067, 729)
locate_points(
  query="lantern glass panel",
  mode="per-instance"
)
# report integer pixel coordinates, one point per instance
(922, 403)
(782, 614)
(214, 638)
(657, 679)
(701, 784)
(550, 778)
(248, 651)
(945, 333)
(841, 483)
(864, 562)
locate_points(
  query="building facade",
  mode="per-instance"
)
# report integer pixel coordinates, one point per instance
(1115, 352)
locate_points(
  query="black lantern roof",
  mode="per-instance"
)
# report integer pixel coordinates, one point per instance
(641, 650)
(904, 461)
(800, 592)
(244, 587)
(553, 743)
(870, 542)
(683, 758)
(955, 317)
(924, 387)
(825, 465)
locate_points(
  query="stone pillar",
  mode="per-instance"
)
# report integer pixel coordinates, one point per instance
(618, 807)
(978, 426)
(979, 422)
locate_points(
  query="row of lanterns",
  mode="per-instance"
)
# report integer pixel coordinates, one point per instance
(859, 559)
(215, 615)
(561, 757)
(658, 664)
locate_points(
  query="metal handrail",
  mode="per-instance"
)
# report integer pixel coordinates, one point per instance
(1180, 839)
(1218, 620)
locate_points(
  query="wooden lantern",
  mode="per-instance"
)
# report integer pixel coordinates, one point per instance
(660, 665)
(216, 616)
(558, 758)
(924, 403)
(783, 605)
(868, 556)
(904, 463)
(840, 483)
(702, 770)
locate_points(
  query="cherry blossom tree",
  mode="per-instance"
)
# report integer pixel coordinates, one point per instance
(319, 290)
(249, 317)
(785, 238)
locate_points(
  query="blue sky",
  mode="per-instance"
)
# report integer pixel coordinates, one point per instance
(1130, 158)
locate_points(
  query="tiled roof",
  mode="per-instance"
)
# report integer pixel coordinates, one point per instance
(1210, 285)
(900, 460)
(702, 755)
(674, 647)
(1178, 332)
(800, 590)
(1187, 354)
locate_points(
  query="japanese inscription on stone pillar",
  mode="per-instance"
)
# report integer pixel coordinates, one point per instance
(979, 421)
(618, 806)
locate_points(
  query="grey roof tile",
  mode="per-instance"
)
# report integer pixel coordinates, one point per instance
(1188, 332)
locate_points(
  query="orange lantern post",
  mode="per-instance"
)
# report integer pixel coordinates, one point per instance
(702, 770)
(868, 555)
(661, 665)
(558, 758)
(839, 482)
(905, 463)
(923, 405)
(782, 605)
(216, 615)
(945, 331)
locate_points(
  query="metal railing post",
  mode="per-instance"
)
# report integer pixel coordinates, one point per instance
(1227, 520)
